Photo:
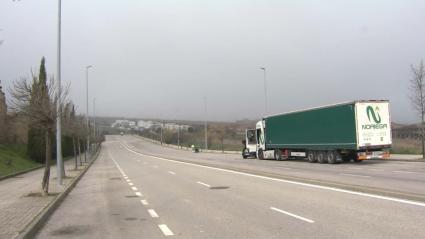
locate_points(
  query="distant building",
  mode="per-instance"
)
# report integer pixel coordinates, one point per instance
(143, 124)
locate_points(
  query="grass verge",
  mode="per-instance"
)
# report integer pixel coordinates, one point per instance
(13, 159)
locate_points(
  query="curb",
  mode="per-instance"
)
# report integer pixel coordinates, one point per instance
(21, 172)
(37, 223)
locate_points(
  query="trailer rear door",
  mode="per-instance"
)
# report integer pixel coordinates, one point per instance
(373, 123)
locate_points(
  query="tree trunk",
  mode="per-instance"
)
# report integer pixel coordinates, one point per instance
(75, 153)
(46, 176)
(79, 151)
(422, 136)
(85, 153)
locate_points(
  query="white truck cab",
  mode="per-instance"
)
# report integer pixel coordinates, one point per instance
(250, 144)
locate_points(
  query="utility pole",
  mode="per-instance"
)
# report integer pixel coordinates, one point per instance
(205, 123)
(161, 130)
(87, 110)
(59, 161)
(265, 91)
(178, 136)
(94, 121)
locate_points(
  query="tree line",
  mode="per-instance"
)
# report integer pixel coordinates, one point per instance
(36, 99)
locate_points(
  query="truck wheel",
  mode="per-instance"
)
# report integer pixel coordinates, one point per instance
(311, 157)
(244, 154)
(321, 157)
(278, 154)
(260, 154)
(331, 157)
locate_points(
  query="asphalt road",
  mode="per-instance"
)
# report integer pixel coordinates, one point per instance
(127, 194)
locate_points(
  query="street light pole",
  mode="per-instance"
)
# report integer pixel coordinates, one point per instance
(94, 120)
(178, 136)
(265, 90)
(87, 110)
(205, 123)
(59, 162)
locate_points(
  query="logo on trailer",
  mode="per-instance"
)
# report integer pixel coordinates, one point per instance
(374, 119)
(374, 113)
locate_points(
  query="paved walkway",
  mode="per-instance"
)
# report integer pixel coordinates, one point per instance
(20, 199)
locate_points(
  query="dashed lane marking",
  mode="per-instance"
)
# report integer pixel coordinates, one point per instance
(152, 213)
(206, 185)
(164, 228)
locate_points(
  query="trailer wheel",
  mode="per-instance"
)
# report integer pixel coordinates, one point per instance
(321, 157)
(311, 157)
(278, 154)
(331, 156)
(260, 154)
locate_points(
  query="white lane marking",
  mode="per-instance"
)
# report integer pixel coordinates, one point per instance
(171, 172)
(152, 213)
(374, 169)
(357, 168)
(139, 194)
(355, 175)
(165, 230)
(206, 185)
(134, 188)
(292, 215)
(400, 171)
(125, 177)
(131, 184)
(116, 164)
(128, 180)
(144, 202)
(392, 199)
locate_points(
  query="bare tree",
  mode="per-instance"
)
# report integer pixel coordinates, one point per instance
(417, 96)
(37, 101)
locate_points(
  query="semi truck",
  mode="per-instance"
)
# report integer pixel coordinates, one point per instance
(356, 131)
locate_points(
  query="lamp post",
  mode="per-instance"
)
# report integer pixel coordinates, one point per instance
(206, 123)
(94, 121)
(87, 110)
(265, 90)
(59, 161)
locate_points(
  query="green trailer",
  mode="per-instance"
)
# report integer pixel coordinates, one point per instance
(355, 130)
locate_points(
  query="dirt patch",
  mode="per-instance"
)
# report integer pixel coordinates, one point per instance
(131, 196)
(219, 187)
(75, 230)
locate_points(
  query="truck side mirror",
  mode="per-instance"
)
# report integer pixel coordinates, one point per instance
(244, 142)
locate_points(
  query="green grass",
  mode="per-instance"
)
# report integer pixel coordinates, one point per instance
(13, 159)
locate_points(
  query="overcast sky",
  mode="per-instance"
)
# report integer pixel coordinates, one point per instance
(160, 58)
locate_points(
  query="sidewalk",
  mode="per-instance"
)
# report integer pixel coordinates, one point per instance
(406, 157)
(20, 199)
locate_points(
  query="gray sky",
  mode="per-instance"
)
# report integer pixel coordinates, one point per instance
(159, 58)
